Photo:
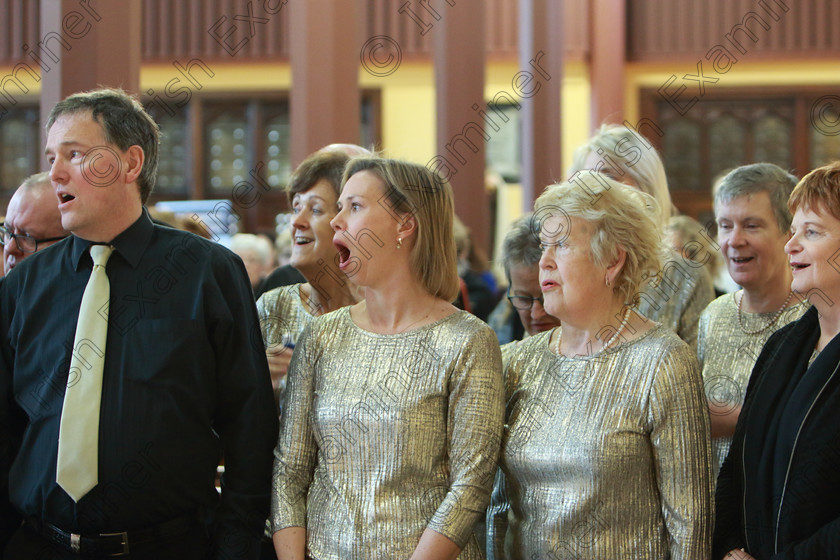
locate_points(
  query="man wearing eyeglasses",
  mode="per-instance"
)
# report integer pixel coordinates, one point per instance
(33, 221)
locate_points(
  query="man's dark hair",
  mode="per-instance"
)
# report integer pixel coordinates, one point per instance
(125, 123)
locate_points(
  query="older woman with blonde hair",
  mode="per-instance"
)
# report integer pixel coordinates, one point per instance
(607, 449)
(680, 289)
(393, 411)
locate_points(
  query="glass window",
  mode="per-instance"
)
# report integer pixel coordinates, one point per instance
(226, 147)
(19, 147)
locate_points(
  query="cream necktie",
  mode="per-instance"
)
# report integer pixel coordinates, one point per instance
(78, 436)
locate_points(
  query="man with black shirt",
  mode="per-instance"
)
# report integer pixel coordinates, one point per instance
(180, 373)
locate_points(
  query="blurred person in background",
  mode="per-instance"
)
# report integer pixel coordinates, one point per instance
(256, 252)
(753, 223)
(473, 271)
(521, 313)
(32, 221)
(678, 292)
(689, 238)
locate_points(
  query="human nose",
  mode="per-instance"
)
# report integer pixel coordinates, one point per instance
(11, 249)
(736, 238)
(337, 223)
(792, 246)
(537, 309)
(546, 261)
(299, 220)
(58, 171)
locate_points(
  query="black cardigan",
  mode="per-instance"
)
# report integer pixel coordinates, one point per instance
(778, 493)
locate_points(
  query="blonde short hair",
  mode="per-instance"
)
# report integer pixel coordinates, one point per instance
(646, 171)
(413, 189)
(618, 216)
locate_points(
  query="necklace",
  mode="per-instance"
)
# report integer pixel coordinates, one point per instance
(768, 325)
(613, 338)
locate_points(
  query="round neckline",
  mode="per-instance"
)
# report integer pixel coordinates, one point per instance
(600, 353)
(418, 330)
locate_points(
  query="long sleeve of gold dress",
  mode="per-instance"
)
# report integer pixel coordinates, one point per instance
(384, 436)
(606, 456)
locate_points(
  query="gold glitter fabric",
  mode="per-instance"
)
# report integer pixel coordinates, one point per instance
(678, 299)
(283, 315)
(606, 456)
(727, 355)
(508, 350)
(385, 436)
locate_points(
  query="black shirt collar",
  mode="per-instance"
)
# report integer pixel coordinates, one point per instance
(131, 243)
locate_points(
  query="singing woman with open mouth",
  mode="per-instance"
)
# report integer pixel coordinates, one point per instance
(393, 409)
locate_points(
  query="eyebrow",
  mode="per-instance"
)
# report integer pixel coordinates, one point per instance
(48, 151)
(298, 196)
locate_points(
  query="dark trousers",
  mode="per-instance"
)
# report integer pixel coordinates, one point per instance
(26, 544)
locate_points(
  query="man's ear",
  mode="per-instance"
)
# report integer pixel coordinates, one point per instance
(134, 160)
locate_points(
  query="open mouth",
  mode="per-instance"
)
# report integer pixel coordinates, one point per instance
(799, 266)
(741, 260)
(300, 240)
(64, 197)
(343, 252)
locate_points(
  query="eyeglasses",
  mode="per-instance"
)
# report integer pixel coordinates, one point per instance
(523, 302)
(25, 243)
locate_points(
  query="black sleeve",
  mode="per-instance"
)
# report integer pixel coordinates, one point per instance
(11, 421)
(246, 417)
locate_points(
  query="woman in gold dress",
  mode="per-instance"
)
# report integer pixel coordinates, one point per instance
(393, 410)
(753, 226)
(285, 311)
(607, 451)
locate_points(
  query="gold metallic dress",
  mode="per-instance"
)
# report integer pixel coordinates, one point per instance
(606, 456)
(727, 355)
(283, 315)
(679, 297)
(384, 436)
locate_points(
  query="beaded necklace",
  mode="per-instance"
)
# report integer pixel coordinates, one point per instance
(768, 325)
(612, 339)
